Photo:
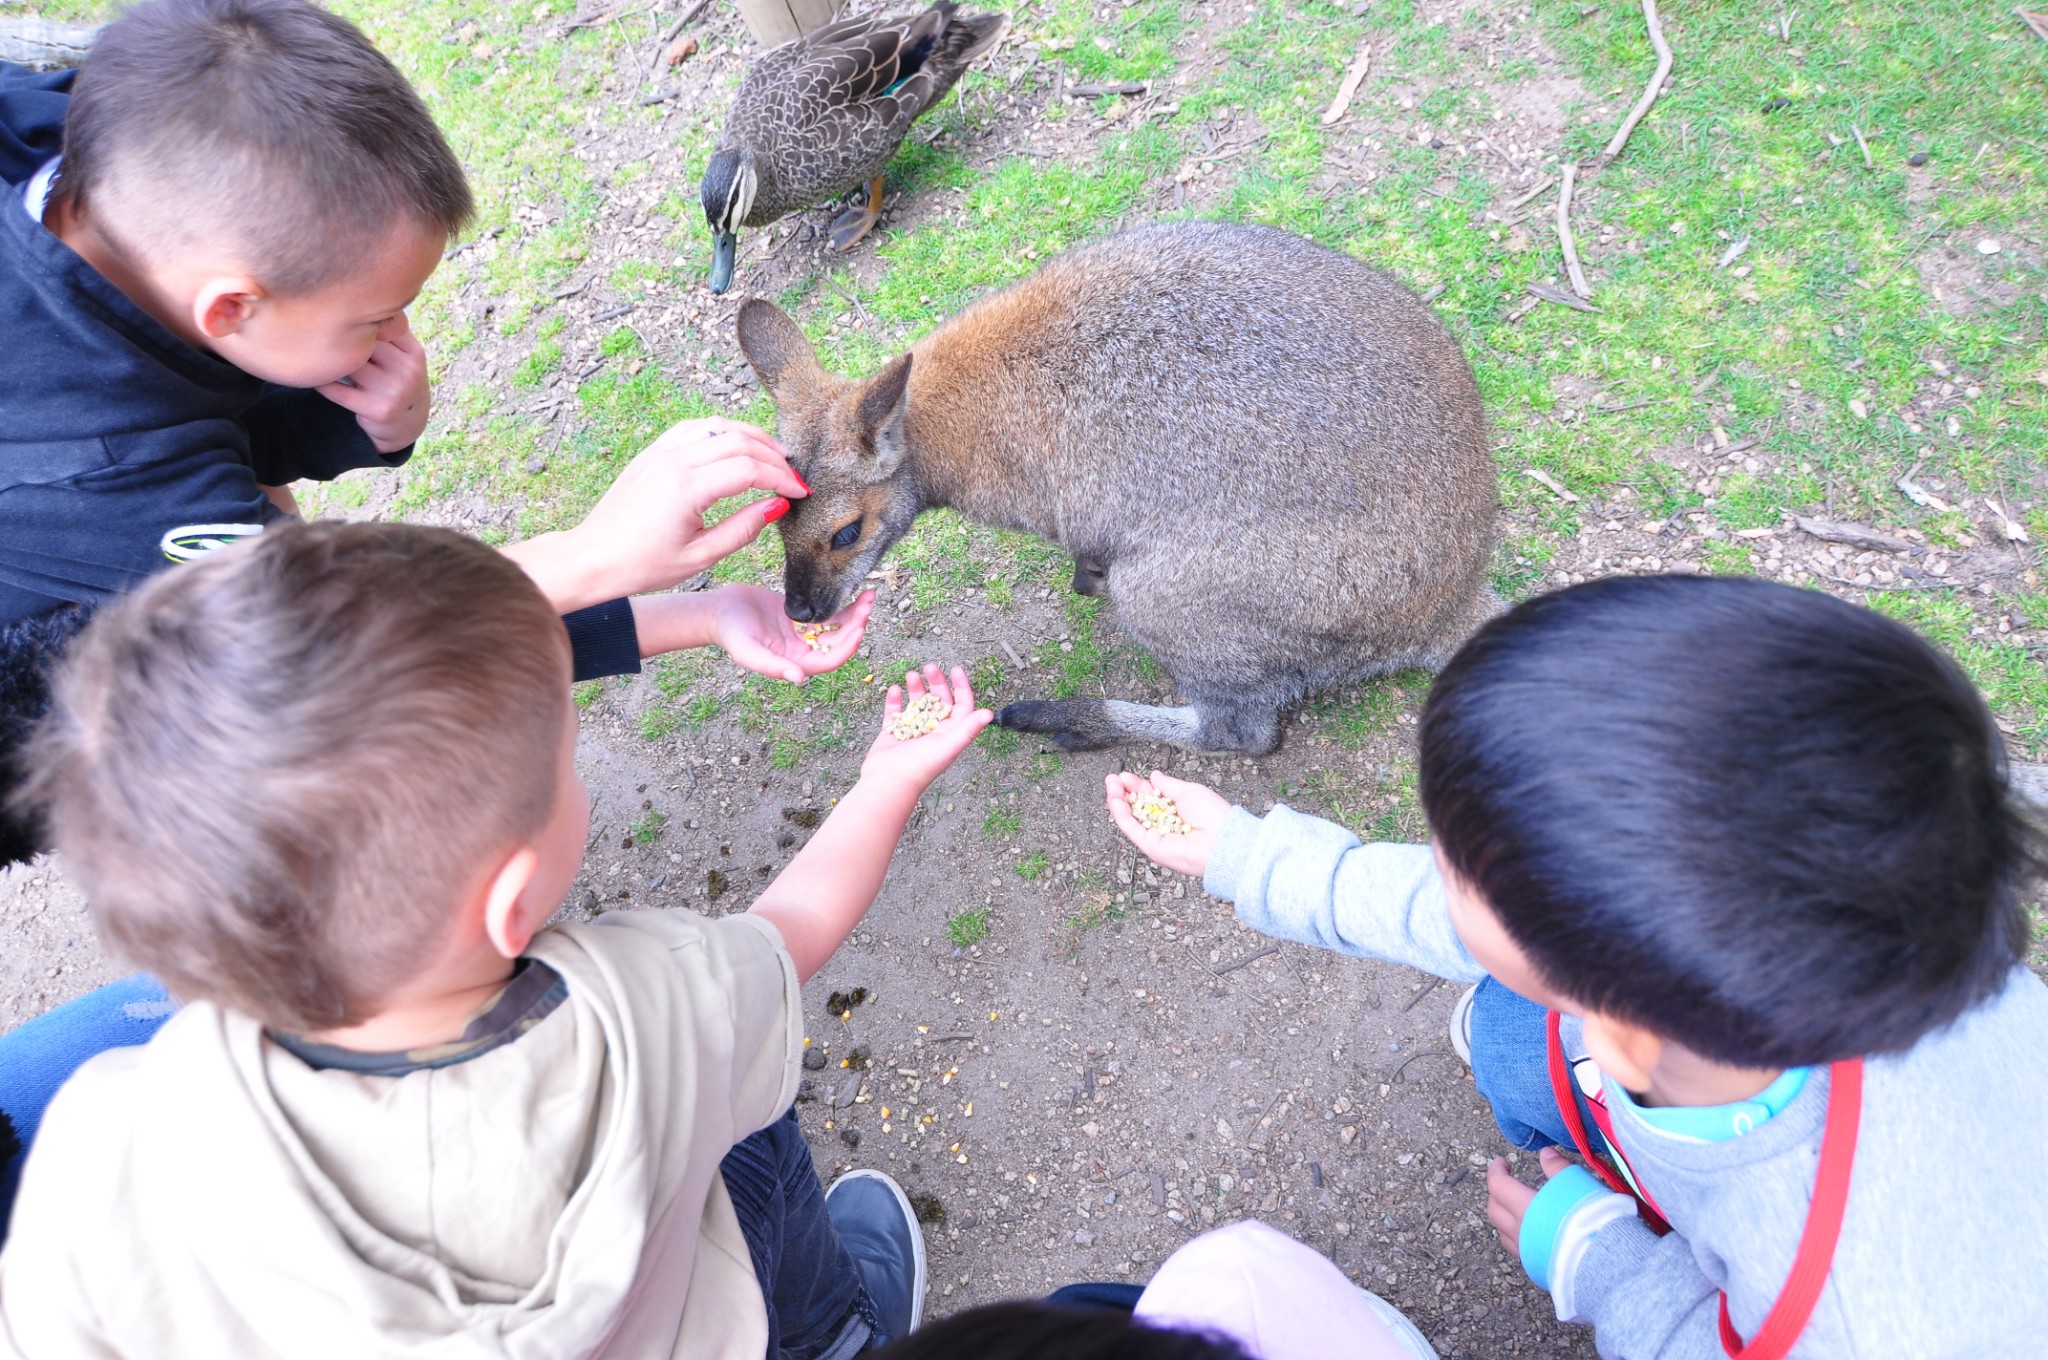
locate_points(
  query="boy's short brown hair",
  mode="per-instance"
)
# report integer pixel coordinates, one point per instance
(271, 122)
(278, 771)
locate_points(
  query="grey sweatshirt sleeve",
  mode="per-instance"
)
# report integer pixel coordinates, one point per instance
(1304, 879)
(1645, 1296)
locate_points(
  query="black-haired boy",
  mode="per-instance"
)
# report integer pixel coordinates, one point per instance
(1738, 874)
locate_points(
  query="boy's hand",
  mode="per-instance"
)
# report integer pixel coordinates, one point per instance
(389, 393)
(1201, 807)
(1507, 1199)
(749, 623)
(920, 760)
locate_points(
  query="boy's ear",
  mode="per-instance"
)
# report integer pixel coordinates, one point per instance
(881, 412)
(224, 305)
(778, 350)
(1624, 1051)
(506, 922)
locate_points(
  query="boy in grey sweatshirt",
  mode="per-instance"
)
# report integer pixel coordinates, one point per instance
(1736, 869)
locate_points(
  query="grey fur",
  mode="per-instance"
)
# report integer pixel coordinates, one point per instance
(1275, 454)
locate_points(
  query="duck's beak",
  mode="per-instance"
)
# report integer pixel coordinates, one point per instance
(724, 248)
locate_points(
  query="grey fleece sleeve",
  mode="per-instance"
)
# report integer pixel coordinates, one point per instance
(1304, 879)
(1645, 1296)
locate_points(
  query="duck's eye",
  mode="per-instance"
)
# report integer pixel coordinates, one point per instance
(847, 536)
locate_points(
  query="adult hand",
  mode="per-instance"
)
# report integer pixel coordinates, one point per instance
(389, 393)
(749, 622)
(1507, 1199)
(920, 760)
(1201, 807)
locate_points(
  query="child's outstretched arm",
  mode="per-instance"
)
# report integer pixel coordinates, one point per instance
(818, 900)
(1301, 878)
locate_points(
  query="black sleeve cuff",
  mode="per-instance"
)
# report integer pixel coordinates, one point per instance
(603, 640)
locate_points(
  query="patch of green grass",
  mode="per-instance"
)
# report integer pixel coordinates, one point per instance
(1001, 823)
(586, 692)
(1044, 765)
(650, 828)
(1352, 721)
(999, 742)
(1032, 865)
(967, 928)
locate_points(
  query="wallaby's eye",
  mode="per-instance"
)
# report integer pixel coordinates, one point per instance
(847, 536)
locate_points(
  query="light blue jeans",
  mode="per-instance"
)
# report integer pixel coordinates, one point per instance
(36, 1058)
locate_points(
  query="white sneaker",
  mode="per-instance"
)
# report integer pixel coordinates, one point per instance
(1461, 1024)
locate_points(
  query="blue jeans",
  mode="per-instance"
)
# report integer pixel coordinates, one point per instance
(36, 1058)
(1511, 1067)
(818, 1309)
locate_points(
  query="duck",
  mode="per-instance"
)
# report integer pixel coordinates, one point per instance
(822, 114)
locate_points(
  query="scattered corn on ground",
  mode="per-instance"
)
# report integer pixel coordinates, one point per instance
(921, 715)
(1156, 812)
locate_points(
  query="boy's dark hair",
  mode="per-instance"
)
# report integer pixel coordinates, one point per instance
(273, 121)
(278, 771)
(1038, 1331)
(1760, 822)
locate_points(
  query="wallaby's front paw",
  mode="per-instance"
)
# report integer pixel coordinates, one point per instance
(1071, 725)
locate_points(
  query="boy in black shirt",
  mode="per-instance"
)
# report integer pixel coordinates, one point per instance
(207, 241)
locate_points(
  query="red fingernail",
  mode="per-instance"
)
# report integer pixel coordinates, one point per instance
(777, 508)
(800, 481)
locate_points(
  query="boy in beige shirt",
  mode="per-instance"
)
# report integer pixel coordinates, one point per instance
(323, 785)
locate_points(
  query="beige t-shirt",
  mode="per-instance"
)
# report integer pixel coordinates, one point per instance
(209, 1194)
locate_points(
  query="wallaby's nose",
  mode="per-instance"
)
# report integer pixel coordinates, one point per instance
(799, 609)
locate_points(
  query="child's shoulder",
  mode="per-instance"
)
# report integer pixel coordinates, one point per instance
(628, 959)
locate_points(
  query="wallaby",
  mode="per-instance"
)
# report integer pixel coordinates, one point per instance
(1271, 458)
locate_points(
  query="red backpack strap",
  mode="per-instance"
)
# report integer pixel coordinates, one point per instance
(1561, 1086)
(1816, 1254)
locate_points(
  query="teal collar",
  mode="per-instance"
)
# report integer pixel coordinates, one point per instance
(1714, 1123)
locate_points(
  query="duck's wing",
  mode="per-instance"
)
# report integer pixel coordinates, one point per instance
(963, 40)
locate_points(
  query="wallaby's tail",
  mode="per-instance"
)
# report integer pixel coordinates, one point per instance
(1091, 724)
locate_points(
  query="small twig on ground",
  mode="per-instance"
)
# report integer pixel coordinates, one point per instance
(1854, 535)
(1650, 91)
(1433, 294)
(1863, 146)
(597, 17)
(1557, 488)
(1784, 26)
(2037, 22)
(612, 314)
(1250, 958)
(1564, 234)
(1395, 1075)
(1096, 89)
(1733, 253)
(1522, 198)
(851, 300)
(1011, 652)
(1543, 292)
(1632, 406)
(572, 289)
(1348, 89)
(952, 1038)
(1425, 990)
(660, 96)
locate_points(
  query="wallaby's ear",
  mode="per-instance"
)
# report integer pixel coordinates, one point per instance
(777, 349)
(881, 411)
